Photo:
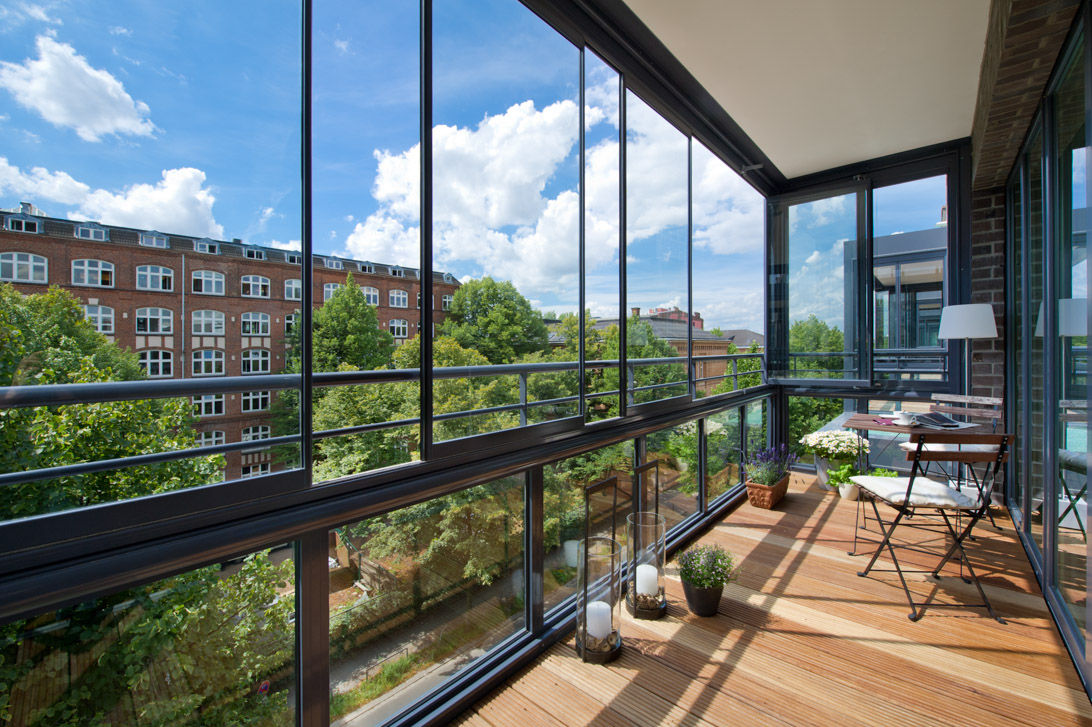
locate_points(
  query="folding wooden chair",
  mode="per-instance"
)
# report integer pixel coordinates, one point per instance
(918, 492)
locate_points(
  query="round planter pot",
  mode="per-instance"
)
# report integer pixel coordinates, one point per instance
(702, 601)
(822, 470)
(848, 491)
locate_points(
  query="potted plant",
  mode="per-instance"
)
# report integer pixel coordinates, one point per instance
(768, 475)
(704, 569)
(840, 478)
(832, 449)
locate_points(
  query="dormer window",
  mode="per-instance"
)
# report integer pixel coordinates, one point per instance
(91, 232)
(22, 224)
(253, 253)
(207, 246)
(398, 272)
(292, 258)
(367, 268)
(334, 264)
(153, 239)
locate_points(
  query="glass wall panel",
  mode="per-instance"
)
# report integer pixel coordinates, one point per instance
(755, 426)
(657, 290)
(212, 646)
(1034, 349)
(417, 594)
(822, 288)
(676, 449)
(563, 505)
(506, 212)
(1070, 364)
(183, 169)
(602, 236)
(366, 231)
(723, 448)
(728, 276)
(909, 258)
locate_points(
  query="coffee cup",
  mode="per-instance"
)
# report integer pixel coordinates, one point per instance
(902, 417)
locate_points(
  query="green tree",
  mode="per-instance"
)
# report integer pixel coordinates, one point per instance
(493, 319)
(812, 335)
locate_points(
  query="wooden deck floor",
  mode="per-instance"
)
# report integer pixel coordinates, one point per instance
(800, 639)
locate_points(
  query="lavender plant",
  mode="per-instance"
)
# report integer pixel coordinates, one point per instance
(707, 566)
(767, 466)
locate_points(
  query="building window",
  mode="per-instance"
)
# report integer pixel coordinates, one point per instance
(398, 299)
(207, 323)
(208, 282)
(367, 268)
(289, 321)
(207, 362)
(253, 253)
(371, 295)
(446, 301)
(101, 317)
(94, 273)
(255, 400)
(208, 405)
(207, 246)
(154, 320)
(399, 328)
(293, 289)
(255, 361)
(255, 286)
(328, 291)
(23, 267)
(255, 324)
(333, 264)
(256, 433)
(418, 300)
(398, 272)
(292, 258)
(157, 364)
(210, 438)
(16, 224)
(154, 277)
(151, 239)
(86, 232)
(253, 470)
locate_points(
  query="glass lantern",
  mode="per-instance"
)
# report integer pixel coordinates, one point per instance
(598, 600)
(646, 534)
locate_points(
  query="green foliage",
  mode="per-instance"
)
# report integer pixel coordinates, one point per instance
(881, 472)
(344, 331)
(707, 566)
(808, 414)
(388, 677)
(841, 475)
(493, 319)
(812, 335)
(743, 365)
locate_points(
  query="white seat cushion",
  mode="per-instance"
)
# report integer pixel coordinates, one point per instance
(912, 447)
(926, 492)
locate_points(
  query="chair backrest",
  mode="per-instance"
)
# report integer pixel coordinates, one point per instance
(983, 408)
(996, 449)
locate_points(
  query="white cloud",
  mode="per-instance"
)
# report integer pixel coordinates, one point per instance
(40, 183)
(729, 214)
(813, 258)
(179, 202)
(342, 46)
(66, 91)
(119, 30)
(350, 218)
(39, 13)
(290, 245)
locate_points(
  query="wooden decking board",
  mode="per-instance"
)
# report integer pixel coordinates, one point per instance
(802, 640)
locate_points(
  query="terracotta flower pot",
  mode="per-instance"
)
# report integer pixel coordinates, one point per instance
(702, 601)
(767, 496)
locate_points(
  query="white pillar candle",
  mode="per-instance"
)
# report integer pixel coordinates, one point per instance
(648, 580)
(598, 616)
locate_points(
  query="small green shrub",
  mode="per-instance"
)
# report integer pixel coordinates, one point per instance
(707, 566)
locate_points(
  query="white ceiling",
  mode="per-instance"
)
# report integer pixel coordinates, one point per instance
(822, 83)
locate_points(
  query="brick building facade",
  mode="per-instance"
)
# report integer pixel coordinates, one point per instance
(200, 307)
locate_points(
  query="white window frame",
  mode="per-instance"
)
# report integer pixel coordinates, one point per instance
(253, 470)
(162, 317)
(398, 273)
(446, 301)
(212, 282)
(397, 298)
(253, 253)
(367, 268)
(206, 405)
(19, 224)
(152, 361)
(88, 232)
(254, 286)
(256, 433)
(24, 267)
(371, 295)
(203, 324)
(398, 327)
(101, 317)
(293, 289)
(207, 362)
(210, 438)
(293, 258)
(208, 247)
(83, 270)
(255, 361)
(289, 321)
(329, 289)
(155, 277)
(254, 401)
(333, 264)
(151, 239)
(254, 323)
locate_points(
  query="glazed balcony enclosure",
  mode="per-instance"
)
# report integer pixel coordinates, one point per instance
(648, 241)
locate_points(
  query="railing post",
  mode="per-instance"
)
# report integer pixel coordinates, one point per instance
(523, 399)
(631, 383)
(735, 374)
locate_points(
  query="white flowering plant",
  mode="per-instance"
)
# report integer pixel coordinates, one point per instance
(835, 444)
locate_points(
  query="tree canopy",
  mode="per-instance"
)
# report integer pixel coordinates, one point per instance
(493, 319)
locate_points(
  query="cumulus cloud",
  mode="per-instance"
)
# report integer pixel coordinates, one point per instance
(62, 87)
(290, 245)
(342, 46)
(179, 202)
(119, 30)
(40, 183)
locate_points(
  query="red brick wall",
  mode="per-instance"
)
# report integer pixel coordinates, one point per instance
(988, 286)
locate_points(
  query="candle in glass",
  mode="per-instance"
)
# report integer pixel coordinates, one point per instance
(598, 615)
(648, 580)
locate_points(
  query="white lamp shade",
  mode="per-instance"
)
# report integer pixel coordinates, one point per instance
(974, 320)
(1072, 318)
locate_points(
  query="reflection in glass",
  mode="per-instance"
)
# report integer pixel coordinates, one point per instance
(1034, 344)
(823, 288)
(418, 593)
(677, 451)
(723, 446)
(214, 646)
(657, 203)
(807, 415)
(1016, 310)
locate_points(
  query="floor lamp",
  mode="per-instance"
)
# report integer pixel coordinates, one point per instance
(967, 322)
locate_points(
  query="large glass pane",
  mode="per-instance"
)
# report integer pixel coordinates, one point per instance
(822, 283)
(723, 448)
(729, 244)
(417, 594)
(676, 450)
(811, 414)
(909, 254)
(1033, 344)
(506, 213)
(212, 646)
(1070, 365)
(156, 190)
(657, 203)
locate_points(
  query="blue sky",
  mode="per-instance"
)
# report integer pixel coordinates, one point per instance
(186, 119)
